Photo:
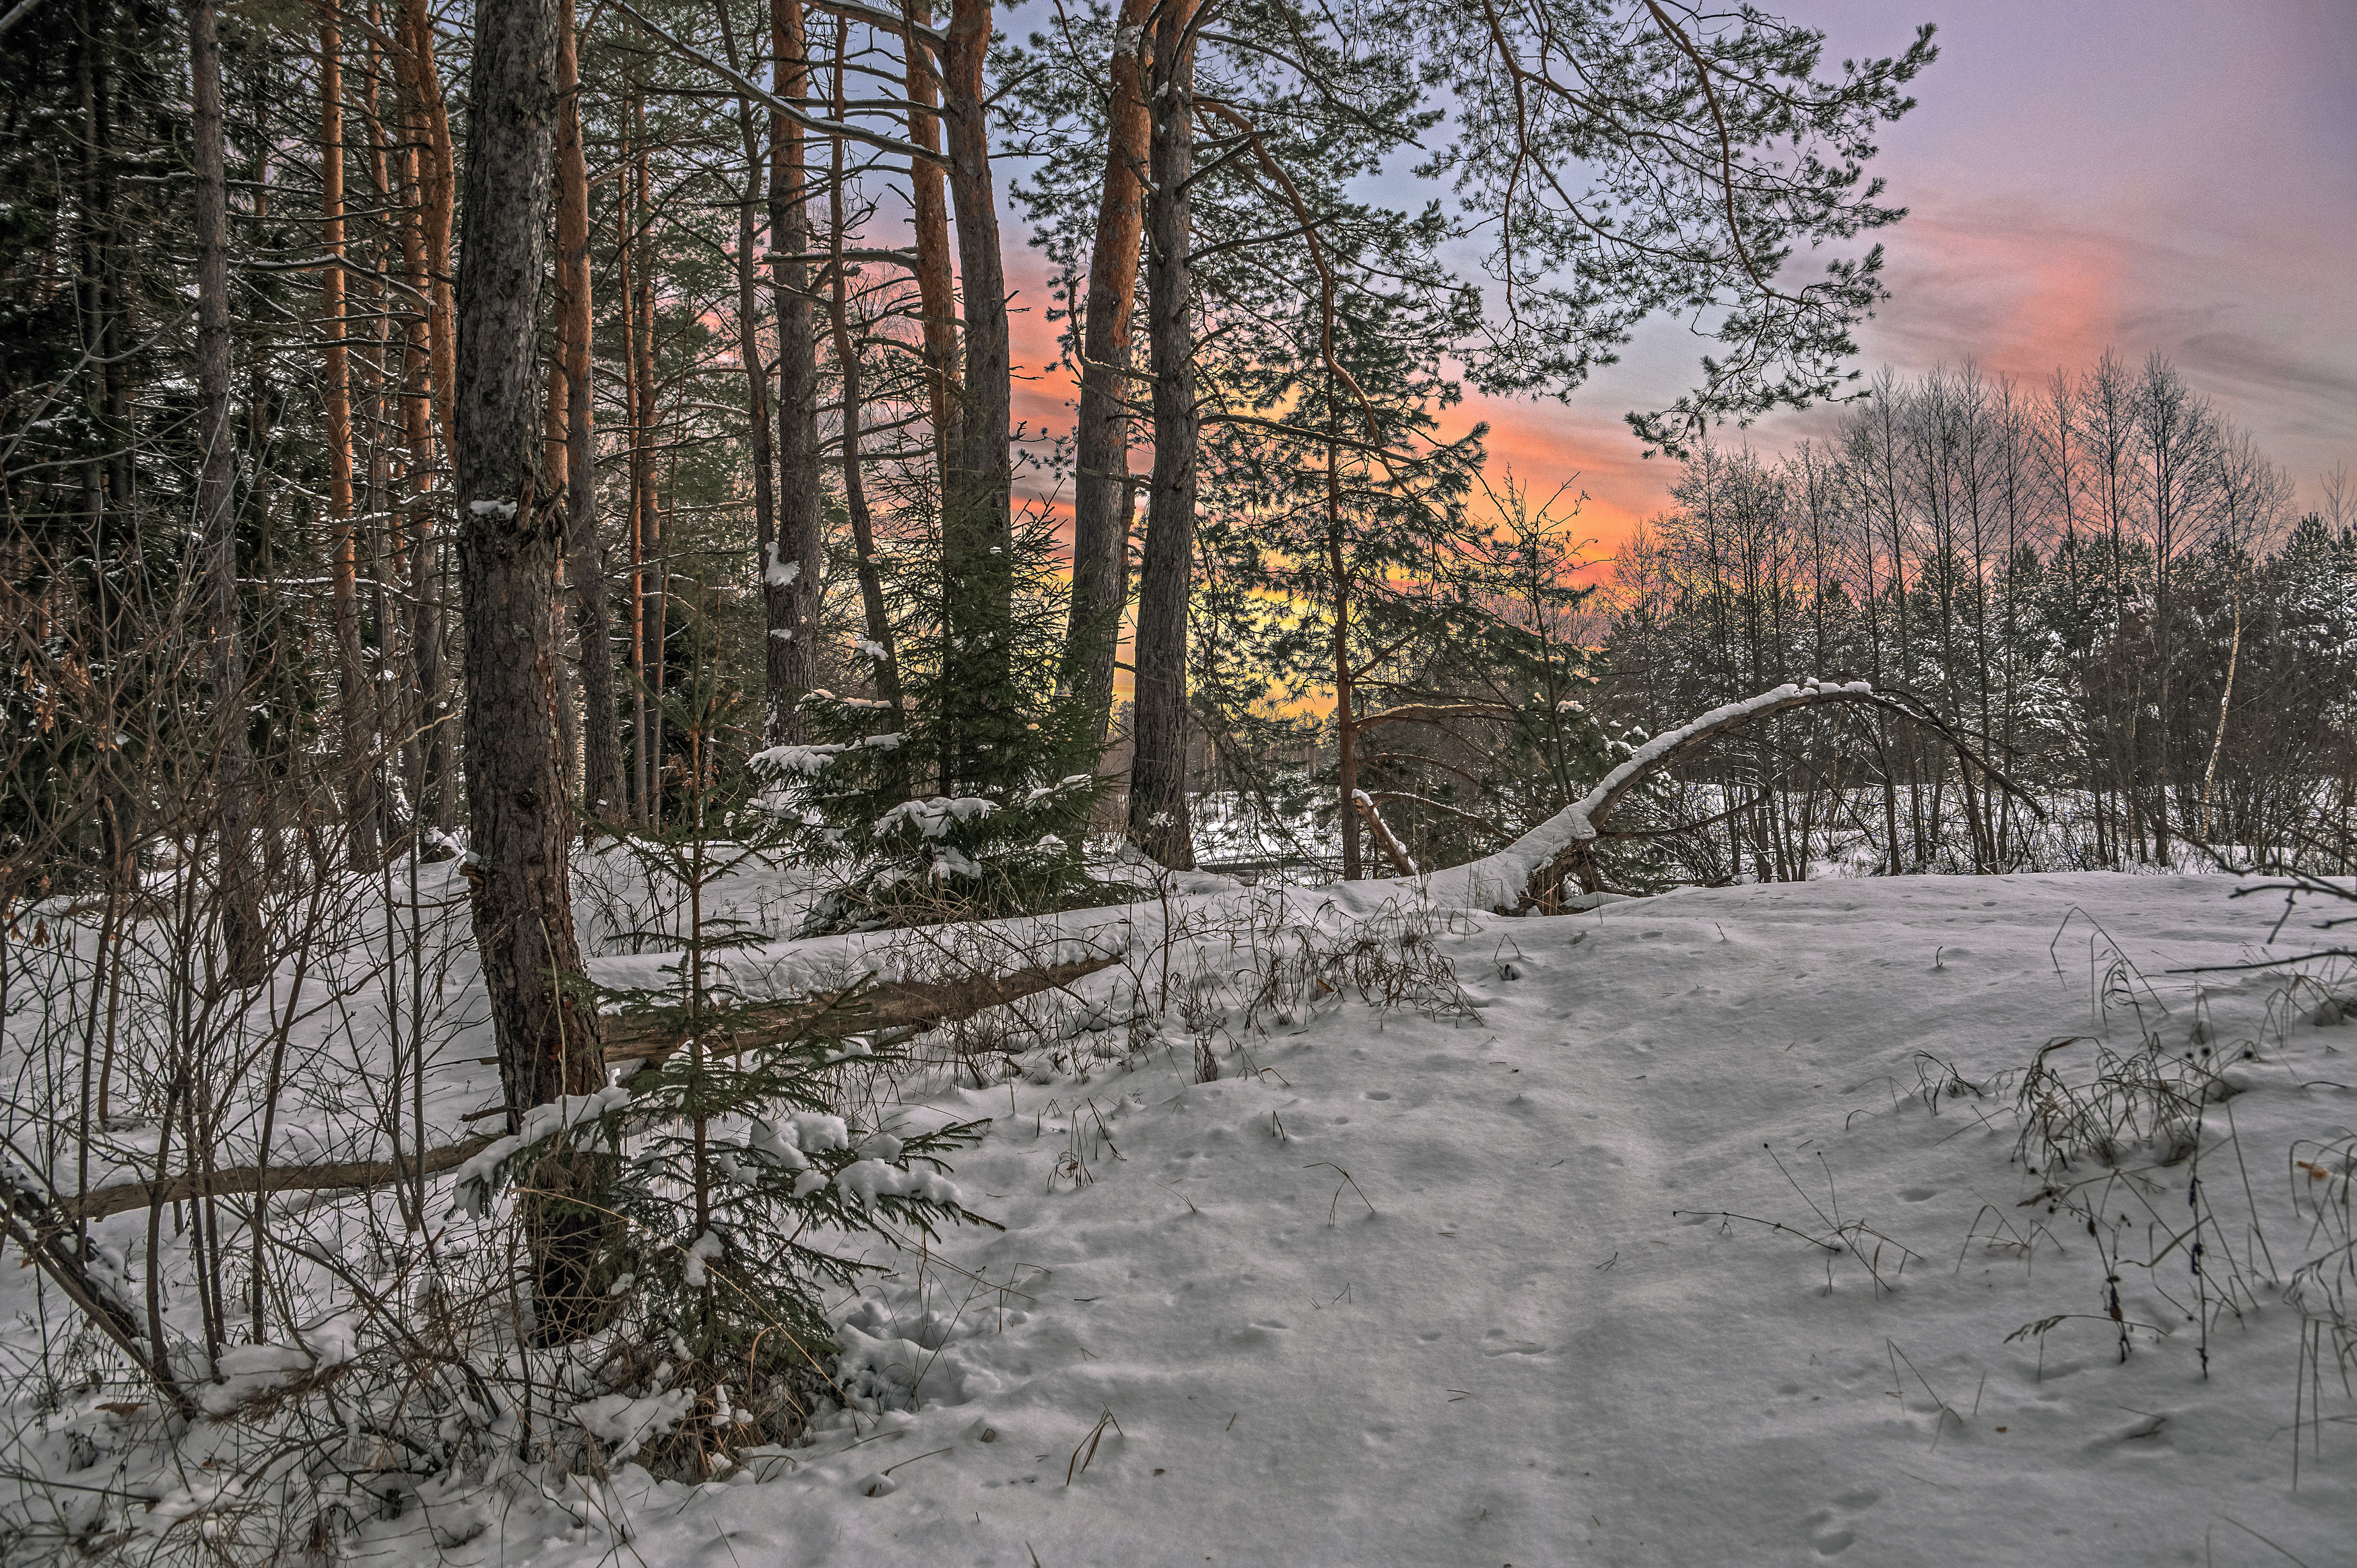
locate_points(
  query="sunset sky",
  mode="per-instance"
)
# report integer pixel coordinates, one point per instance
(2179, 175)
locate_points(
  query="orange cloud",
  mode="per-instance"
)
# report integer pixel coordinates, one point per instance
(2004, 288)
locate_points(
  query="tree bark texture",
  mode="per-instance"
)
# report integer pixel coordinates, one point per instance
(355, 701)
(1346, 729)
(426, 117)
(883, 655)
(793, 555)
(980, 728)
(428, 112)
(749, 336)
(240, 877)
(601, 741)
(520, 823)
(634, 533)
(519, 820)
(651, 573)
(929, 216)
(1101, 491)
(1157, 778)
(113, 524)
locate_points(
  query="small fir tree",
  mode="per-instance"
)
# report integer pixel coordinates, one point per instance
(974, 799)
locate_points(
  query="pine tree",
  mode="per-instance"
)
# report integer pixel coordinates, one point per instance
(952, 806)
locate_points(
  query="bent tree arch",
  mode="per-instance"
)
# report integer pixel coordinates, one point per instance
(1536, 870)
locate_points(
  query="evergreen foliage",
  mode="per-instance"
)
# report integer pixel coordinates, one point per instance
(974, 797)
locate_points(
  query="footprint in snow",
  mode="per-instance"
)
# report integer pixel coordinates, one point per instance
(2148, 1431)
(1832, 1538)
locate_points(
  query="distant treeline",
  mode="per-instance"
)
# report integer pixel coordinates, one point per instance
(2104, 582)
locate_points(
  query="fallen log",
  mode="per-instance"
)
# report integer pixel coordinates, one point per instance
(907, 1003)
(895, 1004)
(245, 1181)
(1393, 849)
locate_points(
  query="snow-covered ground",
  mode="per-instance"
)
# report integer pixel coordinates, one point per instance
(1698, 1230)
(1428, 1290)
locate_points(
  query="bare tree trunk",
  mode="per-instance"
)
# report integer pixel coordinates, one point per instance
(749, 341)
(601, 748)
(979, 473)
(429, 114)
(413, 534)
(657, 581)
(1346, 729)
(1157, 776)
(381, 543)
(929, 211)
(2226, 704)
(555, 468)
(427, 119)
(793, 548)
(635, 462)
(354, 700)
(647, 577)
(520, 821)
(979, 728)
(1100, 487)
(884, 656)
(241, 880)
(107, 480)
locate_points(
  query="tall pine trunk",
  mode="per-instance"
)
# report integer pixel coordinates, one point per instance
(601, 742)
(428, 116)
(240, 876)
(634, 421)
(354, 701)
(883, 655)
(794, 551)
(520, 823)
(600, 781)
(1157, 776)
(1101, 486)
(930, 217)
(748, 321)
(981, 728)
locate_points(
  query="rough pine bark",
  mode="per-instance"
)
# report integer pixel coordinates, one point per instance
(427, 115)
(106, 481)
(635, 421)
(980, 728)
(1157, 776)
(793, 551)
(885, 657)
(748, 326)
(1100, 493)
(555, 466)
(246, 942)
(520, 821)
(930, 217)
(429, 110)
(601, 742)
